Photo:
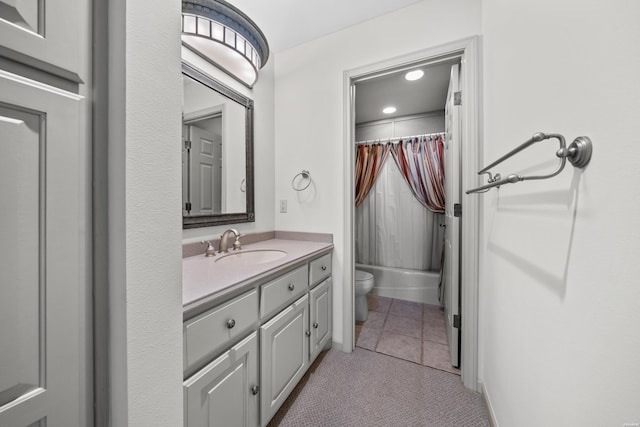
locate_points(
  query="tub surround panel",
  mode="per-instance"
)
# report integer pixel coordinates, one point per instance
(404, 284)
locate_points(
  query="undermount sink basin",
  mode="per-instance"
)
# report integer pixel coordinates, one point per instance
(244, 258)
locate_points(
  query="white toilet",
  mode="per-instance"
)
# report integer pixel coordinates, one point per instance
(364, 284)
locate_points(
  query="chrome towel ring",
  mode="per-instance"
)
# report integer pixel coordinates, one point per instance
(304, 175)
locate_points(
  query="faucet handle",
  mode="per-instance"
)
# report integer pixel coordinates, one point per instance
(237, 245)
(211, 250)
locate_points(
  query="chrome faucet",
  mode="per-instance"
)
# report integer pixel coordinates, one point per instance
(211, 250)
(224, 241)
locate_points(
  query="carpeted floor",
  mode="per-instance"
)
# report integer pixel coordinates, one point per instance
(365, 388)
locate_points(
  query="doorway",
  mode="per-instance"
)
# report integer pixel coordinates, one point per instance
(463, 52)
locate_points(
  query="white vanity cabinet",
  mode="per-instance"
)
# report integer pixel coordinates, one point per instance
(320, 300)
(217, 329)
(225, 392)
(276, 327)
(284, 356)
(320, 318)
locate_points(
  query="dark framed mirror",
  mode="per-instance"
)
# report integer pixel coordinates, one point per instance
(217, 152)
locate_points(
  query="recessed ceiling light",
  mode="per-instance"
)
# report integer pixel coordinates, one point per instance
(414, 75)
(389, 110)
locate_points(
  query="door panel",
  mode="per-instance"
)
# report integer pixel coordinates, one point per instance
(45, 33)
(284, 355)
(321, 322)
(452, 230)
(22, 264)
(220, 394)
(206, 170)
(42, 250)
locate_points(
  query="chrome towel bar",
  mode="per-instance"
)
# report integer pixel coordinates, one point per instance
(578, 153)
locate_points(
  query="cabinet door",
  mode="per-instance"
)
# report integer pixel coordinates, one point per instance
(49, 35)
(321, 317)
(225, 392)
(284, 357)
(43, 279)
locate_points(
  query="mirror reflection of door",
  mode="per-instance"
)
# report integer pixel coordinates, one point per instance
(214, 152)
(205, 158)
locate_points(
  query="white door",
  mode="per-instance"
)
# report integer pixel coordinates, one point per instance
(43, 279)
(206, 173)
(452, 230)
(186, 189)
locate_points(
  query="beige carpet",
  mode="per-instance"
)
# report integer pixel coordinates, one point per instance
(366, 388)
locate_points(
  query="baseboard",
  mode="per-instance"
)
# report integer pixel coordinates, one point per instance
(488, 406)
(337, 345)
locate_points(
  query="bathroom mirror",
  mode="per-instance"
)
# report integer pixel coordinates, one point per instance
(217, 152)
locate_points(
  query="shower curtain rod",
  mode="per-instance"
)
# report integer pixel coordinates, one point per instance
(396, 139)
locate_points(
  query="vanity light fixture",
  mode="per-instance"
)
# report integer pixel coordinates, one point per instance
(414, 75)
(389, 110)
(221, 34)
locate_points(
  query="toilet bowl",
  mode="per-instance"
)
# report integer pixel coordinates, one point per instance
(364, 284)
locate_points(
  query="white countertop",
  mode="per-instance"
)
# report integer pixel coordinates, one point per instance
(203, 279)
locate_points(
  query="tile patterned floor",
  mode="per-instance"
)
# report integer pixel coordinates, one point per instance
(407, 330)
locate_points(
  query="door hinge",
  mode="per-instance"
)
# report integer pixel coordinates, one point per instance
(457, 98)
(187, 206)
(187, 144)
(456, 321)
(457, 210)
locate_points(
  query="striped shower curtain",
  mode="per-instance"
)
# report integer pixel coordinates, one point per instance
(392, 227)
(421, 163)
(369, 161)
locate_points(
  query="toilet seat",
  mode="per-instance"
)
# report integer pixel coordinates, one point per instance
(363, 277)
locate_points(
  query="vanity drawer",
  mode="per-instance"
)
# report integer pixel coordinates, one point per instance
(319, 269)
(283, 291)
(214, 330)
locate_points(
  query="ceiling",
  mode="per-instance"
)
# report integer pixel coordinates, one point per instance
(409, 97)
(288, 23)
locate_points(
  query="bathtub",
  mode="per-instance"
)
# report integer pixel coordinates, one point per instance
(405, 284)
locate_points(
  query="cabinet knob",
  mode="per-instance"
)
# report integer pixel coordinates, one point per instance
(315, 325)
(308, 333)
(255, 390)
(291, 286)
(324, 267)
(231, 323)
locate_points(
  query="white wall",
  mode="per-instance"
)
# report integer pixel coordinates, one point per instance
(559, 285)
(402, 126)
(144, 214)
(262, 95)
(309, 111)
